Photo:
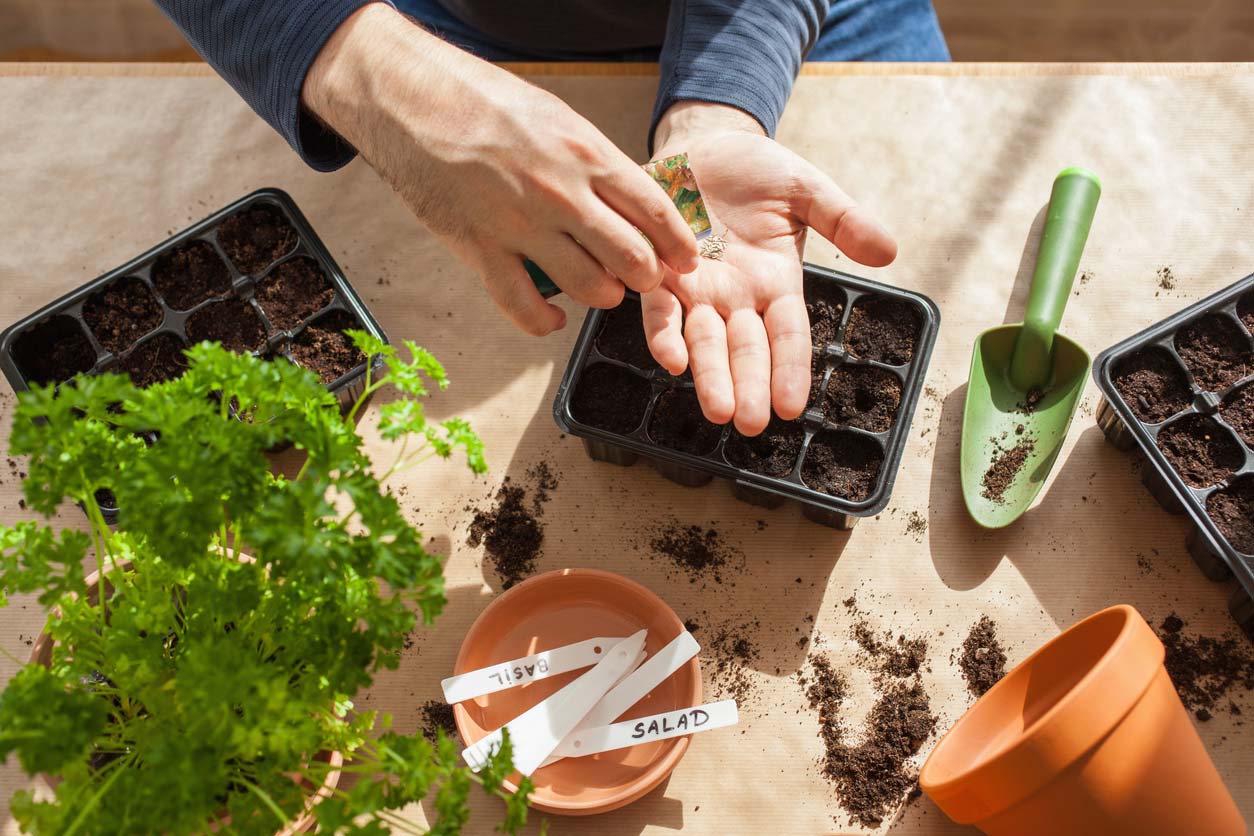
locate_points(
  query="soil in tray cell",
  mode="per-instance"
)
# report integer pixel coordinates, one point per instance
(122, 313)
(190, 274)
(1238, 411)
(1200, 450)
(862, 396)
(325, 349)
(610, 398)
(1216, 350)
(296, 290)
(1152, 384)
(53, 351)
(232, 322)
(677, 423)
(884, 329)
(1232, 509)
(1245, 310)
(622, 336)
(818, 367)
(773, 452)
(256, 237)
(154, 361)
(842, 464)
(825, 302)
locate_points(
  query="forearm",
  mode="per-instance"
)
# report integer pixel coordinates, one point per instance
(687, 119)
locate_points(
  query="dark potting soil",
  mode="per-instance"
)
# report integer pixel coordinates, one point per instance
(232, 322)
(190, 274)
(700, 553)
(862, 396)
(1232, 509)
(296, 290)
(825, 303)
(155, 360)
(842, 464)
(256, 237)
(1208, 671)
(818, 368)
(1216, 350)
(611, 398)
(1245, 310)
(884, 329)
(1238, 411)
(53, 351)
(1005, 468)
(1152, 384)
(900, 657)
(324, 348)
(106, 500)
(773, 452)
(983, 662)
(122, 313)
(622, 336)
(437, 716)
(511, 531)
(677, 423)
(1200, 450)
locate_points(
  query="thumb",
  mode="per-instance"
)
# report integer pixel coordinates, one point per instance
(824, 207)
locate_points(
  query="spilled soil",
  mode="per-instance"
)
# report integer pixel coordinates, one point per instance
(1211, 673)
(698, 553)
(983, 661)
(437, 716)
(511, 530)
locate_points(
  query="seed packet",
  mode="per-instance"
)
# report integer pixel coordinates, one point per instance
(674, 175)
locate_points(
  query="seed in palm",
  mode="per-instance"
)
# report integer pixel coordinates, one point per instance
(713, 247)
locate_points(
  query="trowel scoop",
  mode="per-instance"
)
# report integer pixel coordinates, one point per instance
(1026, 379)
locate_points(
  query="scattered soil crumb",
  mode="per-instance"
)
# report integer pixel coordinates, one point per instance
(699, 552)
(1166, 278)
(983, 662)
(511, 531)
(900, 658)
(1209, 672)
(1005, 467)
(916, 526)
(437, 717)
(731, 652)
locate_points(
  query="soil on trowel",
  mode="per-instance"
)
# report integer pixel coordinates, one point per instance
(1238, 411)
(437, 716)
(622, 336)
(324, 348)
(1211, 673)
(122, 313)
(296, 290)
(825, 303)
(677, 423)
(511, 530)
(158, 359)
(189, 274)
(256, 237)
(1216, 350)
(699, 553)
(1232, 509)
(1153, 385)
(1200, 450)
(773, 452)
(842, 464)
(1005, 468)
(866, 397)
(54, 351)
(983, 661)
(610, 398)
(884, 329)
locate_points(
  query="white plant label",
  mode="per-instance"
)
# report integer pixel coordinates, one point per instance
(668, 724)
(489, 680)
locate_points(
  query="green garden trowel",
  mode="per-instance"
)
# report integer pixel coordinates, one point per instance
(1026, 379)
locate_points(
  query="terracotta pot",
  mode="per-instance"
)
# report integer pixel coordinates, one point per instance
(41, 653)
(1086, 736)
(555, 609)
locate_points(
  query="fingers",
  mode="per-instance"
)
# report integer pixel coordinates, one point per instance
(749, 355)
(511, 289)
(706, 336)
(663, 329)
(632, 193)
(578, 273)
(824, 207)
(620, 247)
(788, 328)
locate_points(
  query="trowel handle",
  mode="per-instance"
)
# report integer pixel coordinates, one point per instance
(1072, 204)
(547, 287)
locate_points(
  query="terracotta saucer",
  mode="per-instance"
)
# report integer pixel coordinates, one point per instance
(559, 608)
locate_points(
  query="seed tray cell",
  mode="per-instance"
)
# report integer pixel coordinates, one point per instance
(1182, 393)
(838, 460)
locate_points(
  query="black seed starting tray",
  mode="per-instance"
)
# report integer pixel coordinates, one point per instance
(1182, 393)
(253, 275)
(838, 460)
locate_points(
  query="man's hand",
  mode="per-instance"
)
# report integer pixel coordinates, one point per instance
(741, 322)
(498, 168)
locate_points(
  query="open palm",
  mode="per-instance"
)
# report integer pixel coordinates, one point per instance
(741, 322)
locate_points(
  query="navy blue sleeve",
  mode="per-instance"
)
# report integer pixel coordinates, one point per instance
(264, 48)
(743, 54)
